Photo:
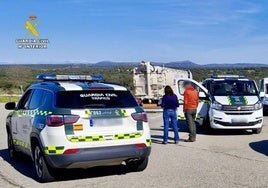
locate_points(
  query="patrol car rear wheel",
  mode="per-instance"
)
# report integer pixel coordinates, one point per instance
(42, 169)
(13, 154)
(137, 166)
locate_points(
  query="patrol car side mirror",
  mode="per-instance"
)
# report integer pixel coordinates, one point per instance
(262, 94)
(202, 94)
(10, 105)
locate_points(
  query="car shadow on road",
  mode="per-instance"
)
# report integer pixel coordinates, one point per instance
(158, 139)
(157, 129)
(101, 171)
(25, 166)
(260, 146)
(183, 127)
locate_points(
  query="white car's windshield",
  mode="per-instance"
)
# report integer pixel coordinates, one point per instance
(233, 87)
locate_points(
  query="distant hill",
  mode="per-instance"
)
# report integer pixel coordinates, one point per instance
(186, 64)
(110, 63)
(237, 65)
(183, 64)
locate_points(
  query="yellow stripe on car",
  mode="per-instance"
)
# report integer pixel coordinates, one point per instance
(127, 136)
(32, 112)
(148, 142)
(21, 143)
(123, 112)
(54, 149)
(88, 113)
(245, 99)
(229, 100)
(85, 138)
(93, 138)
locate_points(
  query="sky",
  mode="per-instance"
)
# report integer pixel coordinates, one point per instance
(82, 31)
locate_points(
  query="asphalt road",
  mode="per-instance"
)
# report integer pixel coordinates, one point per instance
(220, 159)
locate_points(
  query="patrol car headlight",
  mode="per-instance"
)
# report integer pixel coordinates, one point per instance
(258, 105)
(216, 105)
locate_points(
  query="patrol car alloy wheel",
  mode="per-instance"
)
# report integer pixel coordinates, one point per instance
(41, 167)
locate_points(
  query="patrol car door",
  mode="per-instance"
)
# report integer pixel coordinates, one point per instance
(22, 115)
(203, 107)
(35, 102)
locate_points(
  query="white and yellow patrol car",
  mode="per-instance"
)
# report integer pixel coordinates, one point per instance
(226, 102)
(76, 121)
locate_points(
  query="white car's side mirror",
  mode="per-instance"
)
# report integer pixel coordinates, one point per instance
(202, 94)
(262, 94)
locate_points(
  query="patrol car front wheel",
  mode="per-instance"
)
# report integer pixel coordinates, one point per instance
(43, 171)
(137, 165)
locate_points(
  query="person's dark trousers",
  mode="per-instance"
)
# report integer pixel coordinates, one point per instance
(190, 119)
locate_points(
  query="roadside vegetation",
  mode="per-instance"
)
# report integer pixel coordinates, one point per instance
(14, 79)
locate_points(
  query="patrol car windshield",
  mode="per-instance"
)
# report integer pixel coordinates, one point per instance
(95, 99)
(233, 87)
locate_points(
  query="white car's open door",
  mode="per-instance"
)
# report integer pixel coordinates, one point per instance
(204, 101)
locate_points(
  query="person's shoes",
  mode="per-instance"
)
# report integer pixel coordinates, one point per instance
(189, 140)
(164, 142)
(176, 142)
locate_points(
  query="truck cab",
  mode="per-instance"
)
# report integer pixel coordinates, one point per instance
(226, 102)
(263, 85)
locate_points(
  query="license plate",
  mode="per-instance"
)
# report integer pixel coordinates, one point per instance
(239, 120)
(106, 113)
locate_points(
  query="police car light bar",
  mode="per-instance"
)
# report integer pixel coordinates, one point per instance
(227, 76)
(51, 77)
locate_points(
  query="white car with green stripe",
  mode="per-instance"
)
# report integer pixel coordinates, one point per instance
(226, 102)
(76, 121)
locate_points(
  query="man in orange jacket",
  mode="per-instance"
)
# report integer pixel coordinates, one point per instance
(191, 101)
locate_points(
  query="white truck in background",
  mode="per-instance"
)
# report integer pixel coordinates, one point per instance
(150, 81)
